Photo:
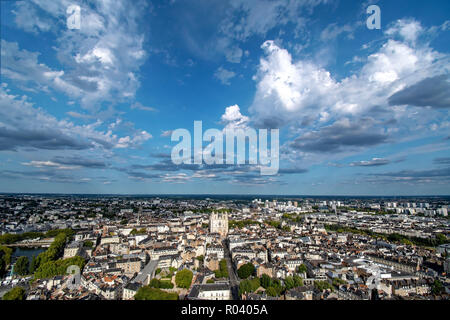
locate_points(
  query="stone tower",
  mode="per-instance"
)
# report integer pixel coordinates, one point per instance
(218, 223)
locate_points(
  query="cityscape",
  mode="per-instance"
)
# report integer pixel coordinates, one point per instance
(224, 248)
(218, 158)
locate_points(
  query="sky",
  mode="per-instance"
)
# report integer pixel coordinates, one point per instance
(91, 110)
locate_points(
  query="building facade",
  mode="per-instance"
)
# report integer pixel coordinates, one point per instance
(218, 223)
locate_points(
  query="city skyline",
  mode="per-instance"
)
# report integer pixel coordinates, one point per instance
(361, 112)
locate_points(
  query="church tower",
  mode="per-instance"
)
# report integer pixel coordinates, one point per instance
(218, 223)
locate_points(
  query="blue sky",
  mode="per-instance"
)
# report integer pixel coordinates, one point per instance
(91, 110)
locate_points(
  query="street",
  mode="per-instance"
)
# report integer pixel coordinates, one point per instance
(234, 279)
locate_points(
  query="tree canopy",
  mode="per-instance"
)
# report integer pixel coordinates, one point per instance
(223, 271)
(246, 270)
(302, 268)
(163, 284)
(323, 285)
(16, 293)
(21, 266)
(266, 281)
(183, 278)
(148, 293)
(249, 285)
(5, 259)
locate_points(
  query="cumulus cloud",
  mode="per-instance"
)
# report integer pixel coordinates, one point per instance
(285, 87)
(127, 142)
(361, 110)
(234, 119)
(290, 90)
(99, 61)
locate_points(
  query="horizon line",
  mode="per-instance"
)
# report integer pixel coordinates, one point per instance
(214, 194)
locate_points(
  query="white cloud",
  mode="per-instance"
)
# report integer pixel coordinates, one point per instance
(139, 106)
(48, 164)
(100, 60)
(332, 31)
(234, 55)
(233, 119)
(24, 126)
(166, 133)
(263, 15)
(285, 87)
(408, 29)
(28, 18)
(295, 91)
(137, 139)
(224, 75)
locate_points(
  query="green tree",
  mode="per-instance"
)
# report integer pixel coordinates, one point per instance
(337, 282)
(88, 244)
(6, 254)
(2, 267)
(223, 270)
(154, 283)
(298, 281)
(266, 281)
(244, 287)
(323, 285)
(58, 267)
(164, 284)
(21, 266)
(302, 268)
(248, 285)
(437, 288)
(246, 270)
(255, 284)
(289, 283)
(183, 278)
(272, 292)
(441, 239)
(148, 293)
(276, 284)
(5, 259)
(16, 293)
(34, 264)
